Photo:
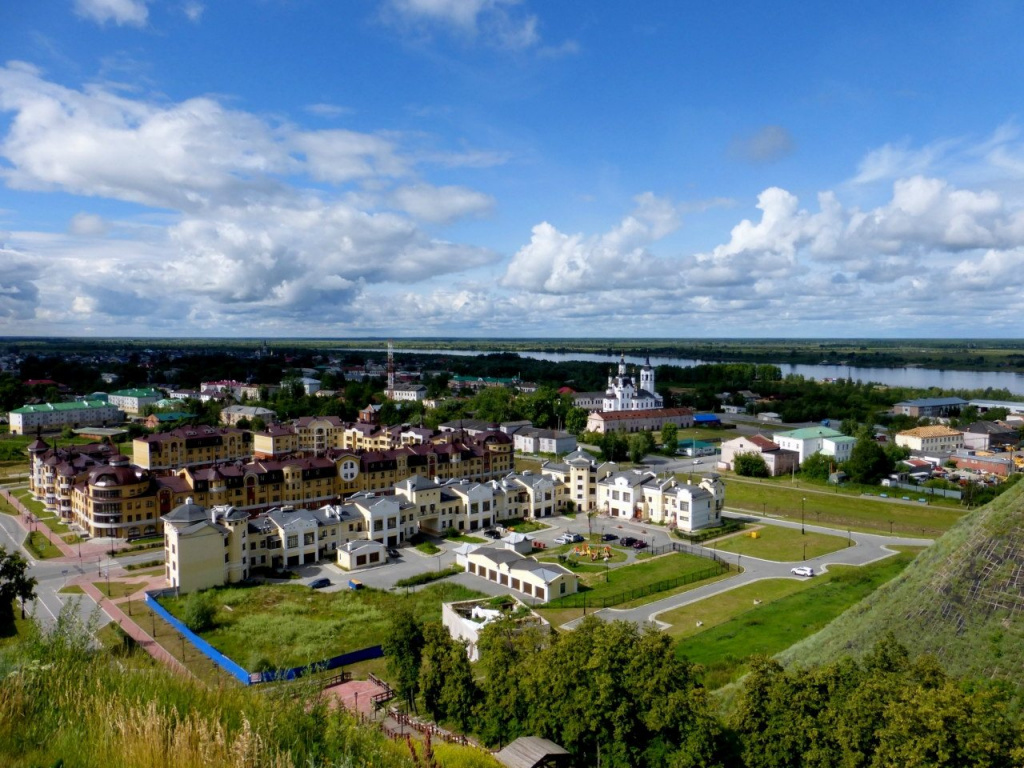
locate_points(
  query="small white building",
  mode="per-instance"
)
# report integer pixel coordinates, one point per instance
(465, 620)
(361, 553)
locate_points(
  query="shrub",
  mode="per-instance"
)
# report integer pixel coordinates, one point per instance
(199, 613)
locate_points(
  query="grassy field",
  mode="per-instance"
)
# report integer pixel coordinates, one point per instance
(291, 625)
(782, 619)
(117, 589)
(839, 510)
(780, 544)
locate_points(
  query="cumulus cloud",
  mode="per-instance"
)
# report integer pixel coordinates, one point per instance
(256, 219)
(554, 262)
(768, 144)
(120, 12)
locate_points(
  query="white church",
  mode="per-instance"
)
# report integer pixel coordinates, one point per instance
(623, 393)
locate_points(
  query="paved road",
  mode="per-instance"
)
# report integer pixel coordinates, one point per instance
(866, 548)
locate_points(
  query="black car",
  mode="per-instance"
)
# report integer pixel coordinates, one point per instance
(319, 583)
(490, 533)
(392, 552)
(608, 537)
(627, 541)
(639, 544)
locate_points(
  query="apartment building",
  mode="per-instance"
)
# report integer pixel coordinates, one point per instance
(934, 438)
(191, 447)
(52, 417)
(132, 401)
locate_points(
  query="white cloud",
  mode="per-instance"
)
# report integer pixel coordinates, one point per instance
(19, 294)
(194, 10)
(327, 110)
(441, 204)
(87, 224)
(247, 232)
(553, 262)
(120, 12)
(500, 24)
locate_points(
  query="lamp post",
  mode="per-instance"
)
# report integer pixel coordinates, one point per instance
(803, 504)
(805, 550)
(438, 556)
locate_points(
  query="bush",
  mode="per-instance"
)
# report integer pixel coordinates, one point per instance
(426, 578)
(199, 613)
(750, 465)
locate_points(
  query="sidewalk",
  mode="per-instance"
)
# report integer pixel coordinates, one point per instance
(25, 518)
(113, 609)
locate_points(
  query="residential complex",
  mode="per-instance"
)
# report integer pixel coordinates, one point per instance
(191, 447)
(132, 401)
(50, 417)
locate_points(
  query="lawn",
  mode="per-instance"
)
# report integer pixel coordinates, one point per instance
(656, 572)
(839, 510)
(468, 539)
(116, 589)
(780, 544)
(428, 548)
(290, 625)
(736, 629)
(520, 525)
(40, 546)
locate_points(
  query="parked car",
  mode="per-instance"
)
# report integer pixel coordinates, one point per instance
(319, 583)
(565, 538)
(627, 541)
(802, 570)
(577, 537)
(608, 537)
(639, 544)
(392, 552)
(490, 533)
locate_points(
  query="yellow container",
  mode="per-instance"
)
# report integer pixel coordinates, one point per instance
(754, 534)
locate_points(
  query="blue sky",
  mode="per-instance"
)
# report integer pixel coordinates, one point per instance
(510, 168)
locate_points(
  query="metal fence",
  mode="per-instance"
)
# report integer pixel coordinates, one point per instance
(926, 490)
(236, 670)
(584, 600)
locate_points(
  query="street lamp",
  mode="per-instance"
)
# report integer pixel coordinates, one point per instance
(438, 556)
(805, 550)
(803, 504)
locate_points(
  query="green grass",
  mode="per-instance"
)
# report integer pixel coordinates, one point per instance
(146, 565)
(290, 625)
(55, 524)
(780, 544)
(71, 589)
(428, 548)
(521, 525)
(115, 589)
(468, 539)
(40, 546)
(839, 510)
(614, 581)
(774, 626)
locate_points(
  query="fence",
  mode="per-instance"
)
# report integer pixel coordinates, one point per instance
(252, 678)
(583, 600)
(927, 490)
(197, 642)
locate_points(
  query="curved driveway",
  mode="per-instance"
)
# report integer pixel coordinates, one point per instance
(867, 548)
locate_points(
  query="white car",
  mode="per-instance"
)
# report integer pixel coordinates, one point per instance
(802, 570)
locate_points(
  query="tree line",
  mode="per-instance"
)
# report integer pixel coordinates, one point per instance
(618, 696)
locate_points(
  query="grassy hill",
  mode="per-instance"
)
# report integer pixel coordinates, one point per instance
(961, 600)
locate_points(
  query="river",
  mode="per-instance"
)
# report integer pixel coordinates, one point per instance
(915, 378)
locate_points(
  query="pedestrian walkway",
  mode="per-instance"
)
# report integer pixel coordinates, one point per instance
(128, 626)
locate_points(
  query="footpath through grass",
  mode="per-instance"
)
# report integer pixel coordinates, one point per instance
(785, 615)
(288, 625)
(40, 546)
(839, 510)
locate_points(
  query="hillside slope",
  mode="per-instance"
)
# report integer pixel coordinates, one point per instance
(962, 600)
